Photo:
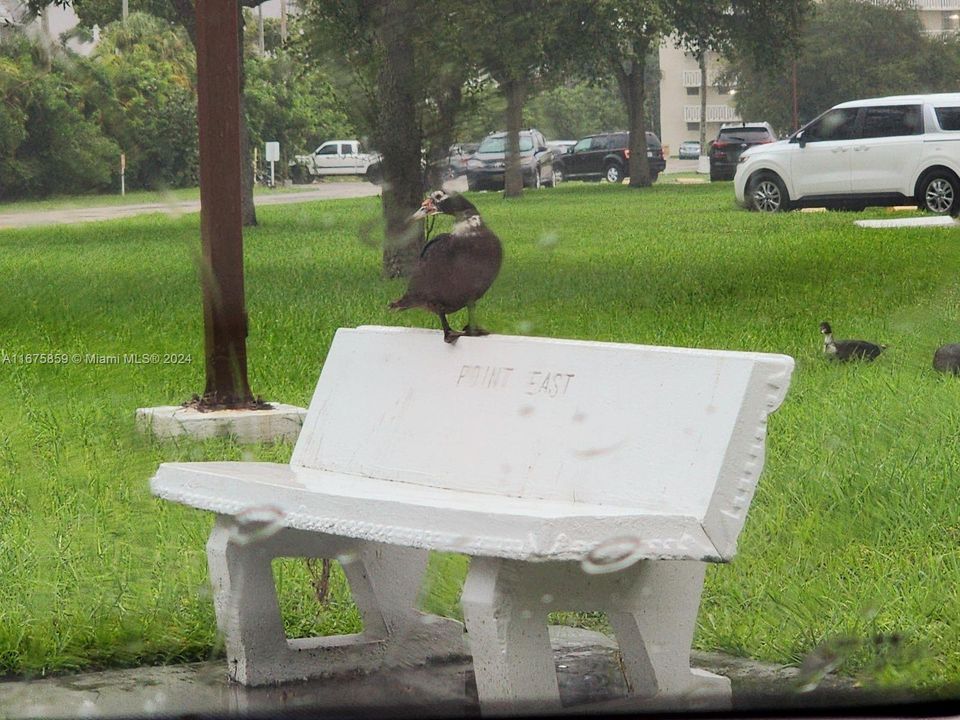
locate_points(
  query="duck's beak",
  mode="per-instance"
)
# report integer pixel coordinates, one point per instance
(427, 208)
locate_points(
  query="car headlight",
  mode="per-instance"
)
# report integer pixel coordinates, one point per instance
(474, 164)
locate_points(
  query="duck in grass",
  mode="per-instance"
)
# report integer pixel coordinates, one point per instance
(455, 269)
(947, 358)
(844, 350)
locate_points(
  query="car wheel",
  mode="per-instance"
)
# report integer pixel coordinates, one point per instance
(375, 175)
(939, 192)
(767, 193)
(613, 174)
(653, 177)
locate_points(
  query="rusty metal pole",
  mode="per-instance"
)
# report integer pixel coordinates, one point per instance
(221, 230)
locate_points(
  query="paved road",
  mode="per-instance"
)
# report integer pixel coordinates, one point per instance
(324, 191)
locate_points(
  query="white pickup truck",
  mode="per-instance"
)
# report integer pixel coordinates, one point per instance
(337, 157)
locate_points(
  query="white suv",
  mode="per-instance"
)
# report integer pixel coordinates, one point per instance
(884, 151)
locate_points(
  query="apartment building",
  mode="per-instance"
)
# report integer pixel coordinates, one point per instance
(680, 82)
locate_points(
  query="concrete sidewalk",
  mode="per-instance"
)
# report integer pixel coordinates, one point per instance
(322, 191)
(587, 671)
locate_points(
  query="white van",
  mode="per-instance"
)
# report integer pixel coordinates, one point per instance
(895, 150)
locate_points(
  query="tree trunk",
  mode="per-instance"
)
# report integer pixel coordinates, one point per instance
(515, 92)
(443, 135)
(400, 137)
(248, 209)
(633, 93)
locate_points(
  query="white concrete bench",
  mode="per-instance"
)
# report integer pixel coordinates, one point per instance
(577, 475)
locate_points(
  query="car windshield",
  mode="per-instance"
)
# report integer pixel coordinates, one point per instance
(746, 134)
(499, 144)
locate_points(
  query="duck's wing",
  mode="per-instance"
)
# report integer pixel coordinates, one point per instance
(439, 242)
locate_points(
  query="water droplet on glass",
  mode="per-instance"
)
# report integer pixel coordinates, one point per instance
(526, 614)
(347, 558)
(548, 240)
(257, 523)
(546, 599)
(525, 327)
(612, 555)
(247, 456)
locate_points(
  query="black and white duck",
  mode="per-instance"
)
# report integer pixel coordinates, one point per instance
(455, 269)
(947, 358)
(844, 350)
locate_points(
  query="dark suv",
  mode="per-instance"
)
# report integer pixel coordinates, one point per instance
(731, 141)
(607, 156)
(486, 167)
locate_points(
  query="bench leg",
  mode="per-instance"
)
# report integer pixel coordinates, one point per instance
(654, 624)
(652, 607)
(384, 581)
(507, 630)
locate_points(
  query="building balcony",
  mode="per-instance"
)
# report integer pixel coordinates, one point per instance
(937, 4)
(691, 78)
(715, 113)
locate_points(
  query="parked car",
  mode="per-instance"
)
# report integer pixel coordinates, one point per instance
(689, 150)
(485, 169)
(337, 157)
(731, 142)
(458, 156)
(607, 156)
(882, 151)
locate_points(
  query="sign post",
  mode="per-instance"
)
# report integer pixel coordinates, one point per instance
(272, 155)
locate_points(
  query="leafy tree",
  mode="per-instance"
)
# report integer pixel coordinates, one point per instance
(849, 50)
(293, 104)
(623, 34)
(148, 65)
(518, 44)
(577, 108)
(179, 12)
(49, 136)
(405, 82)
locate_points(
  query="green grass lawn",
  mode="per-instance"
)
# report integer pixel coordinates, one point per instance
(851, 545)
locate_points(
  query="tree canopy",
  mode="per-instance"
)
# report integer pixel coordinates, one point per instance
(849, 50)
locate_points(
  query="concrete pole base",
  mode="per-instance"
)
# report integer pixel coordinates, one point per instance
(281, 422)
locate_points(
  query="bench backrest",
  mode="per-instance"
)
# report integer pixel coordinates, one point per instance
(666, 431)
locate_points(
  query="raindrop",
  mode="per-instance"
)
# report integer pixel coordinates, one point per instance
(548, 240)
(257, 523)
(247, 456)
(612, 555)
(525, 327)
(526, 614)
(546, 599)
(347, 558)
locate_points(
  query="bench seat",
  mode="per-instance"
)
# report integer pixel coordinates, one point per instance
(472, 523)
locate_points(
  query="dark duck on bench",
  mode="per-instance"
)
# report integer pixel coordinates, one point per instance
(455, 269)
(848, 349)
